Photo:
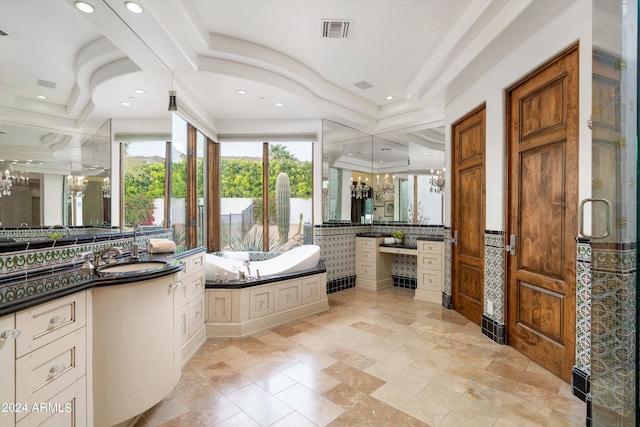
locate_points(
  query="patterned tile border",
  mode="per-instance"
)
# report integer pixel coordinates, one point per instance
(583, 306)
(494, 275)
(580, 383)
(34, 260)
(494, 330)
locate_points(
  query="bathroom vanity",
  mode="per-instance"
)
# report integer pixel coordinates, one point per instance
(374, 262)
(81, 349)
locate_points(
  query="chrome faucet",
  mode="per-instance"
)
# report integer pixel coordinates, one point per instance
(24, 224)
(135, 247)
(64, 227)
(246, 264)
(111, 250)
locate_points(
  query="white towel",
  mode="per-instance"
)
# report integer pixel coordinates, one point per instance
(161, 246)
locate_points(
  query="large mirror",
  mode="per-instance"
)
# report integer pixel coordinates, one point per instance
(54, 177)
(392, 177)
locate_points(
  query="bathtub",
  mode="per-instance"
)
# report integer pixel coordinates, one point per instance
(297, 259)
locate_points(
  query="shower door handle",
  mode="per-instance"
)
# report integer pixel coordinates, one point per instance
(607, 215)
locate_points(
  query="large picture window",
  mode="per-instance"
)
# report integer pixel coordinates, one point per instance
(243, 208)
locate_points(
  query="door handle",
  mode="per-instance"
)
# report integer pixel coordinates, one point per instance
(607, 214)
(511, 247)
(454, 240)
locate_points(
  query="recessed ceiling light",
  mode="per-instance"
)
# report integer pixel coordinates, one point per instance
(84, 7)
(133, 7)
(349, 154)
(138, 90)
(380, 161)
(41, 97)
(125, 103)
(389, 98)
(241, 92)
(279, 104)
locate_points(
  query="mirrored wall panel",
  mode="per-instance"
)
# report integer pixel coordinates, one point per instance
(393, 177)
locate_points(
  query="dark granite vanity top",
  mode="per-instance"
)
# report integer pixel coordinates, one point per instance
(27, 289)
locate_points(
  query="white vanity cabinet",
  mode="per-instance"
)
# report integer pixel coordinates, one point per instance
(190, 306)
(373, 269)
(430, 271)
(44, 364)
(134, 360)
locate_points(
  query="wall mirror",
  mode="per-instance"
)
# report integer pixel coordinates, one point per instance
(54, 177)
(392, 177)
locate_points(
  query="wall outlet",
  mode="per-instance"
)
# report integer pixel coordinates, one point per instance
(489, 307)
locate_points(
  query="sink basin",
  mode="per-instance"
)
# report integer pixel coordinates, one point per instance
(131, 267)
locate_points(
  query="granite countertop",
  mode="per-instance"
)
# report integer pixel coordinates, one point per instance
(240, 284)
(399, 246)
(27, 289)
(431, 238)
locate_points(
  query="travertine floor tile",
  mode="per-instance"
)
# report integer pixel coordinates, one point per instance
(374, 359)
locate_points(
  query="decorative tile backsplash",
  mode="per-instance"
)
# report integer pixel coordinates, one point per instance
(494, 275)
(28, 260)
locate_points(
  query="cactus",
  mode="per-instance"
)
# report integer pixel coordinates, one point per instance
(283, 205)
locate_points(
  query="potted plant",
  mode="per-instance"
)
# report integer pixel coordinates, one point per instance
(398, 236)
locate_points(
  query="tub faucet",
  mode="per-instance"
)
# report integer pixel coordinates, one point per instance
(246, 264)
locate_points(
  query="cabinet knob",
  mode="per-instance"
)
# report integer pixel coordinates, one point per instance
(55, 370)
(10, 333)
(176, 285)
(57, 320)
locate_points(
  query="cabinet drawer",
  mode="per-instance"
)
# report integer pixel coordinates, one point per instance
(68, 408)
(195, 263)
(45, 372)
(312, 290)
(431, 247)
(366, 243)
(287, 294)
(47, 322)
(260, 301)
(366, 271)
(219, 306)
(194, 286)
(430, 262)
(430, 280)
(366, 255)
(196, 314)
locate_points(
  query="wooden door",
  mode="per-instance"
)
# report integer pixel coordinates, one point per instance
(468, 207)
(542, 119)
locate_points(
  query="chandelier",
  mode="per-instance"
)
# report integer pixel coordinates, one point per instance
(5, 184)
(21, 182)
(106, 188)
(437, 181)
(75, 186)
(386, 188)
(360, 190)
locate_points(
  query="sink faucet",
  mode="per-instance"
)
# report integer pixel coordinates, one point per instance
(64, 227)
(111, 250)
(135, 248)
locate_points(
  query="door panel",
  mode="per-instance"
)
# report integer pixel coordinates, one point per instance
(542, 213)
(468, 207)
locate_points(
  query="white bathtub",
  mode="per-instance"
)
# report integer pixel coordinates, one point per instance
(297, 259)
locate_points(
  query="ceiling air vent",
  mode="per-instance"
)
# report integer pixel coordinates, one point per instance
(46, 83)
(335, 29)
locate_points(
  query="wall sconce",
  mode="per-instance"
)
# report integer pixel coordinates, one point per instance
(173, 105)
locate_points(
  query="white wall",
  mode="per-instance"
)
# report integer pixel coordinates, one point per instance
(569, 26)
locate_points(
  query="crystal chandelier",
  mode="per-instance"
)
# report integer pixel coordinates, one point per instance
(437, 181)
(5, 184)
(106, 188)
(360, 190)
(75, 186)
(20, 182)
(386, 188)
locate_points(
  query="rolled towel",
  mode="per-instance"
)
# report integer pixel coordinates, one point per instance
(161, 246)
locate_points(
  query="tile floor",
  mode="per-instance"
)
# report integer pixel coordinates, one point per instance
(374, 359)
